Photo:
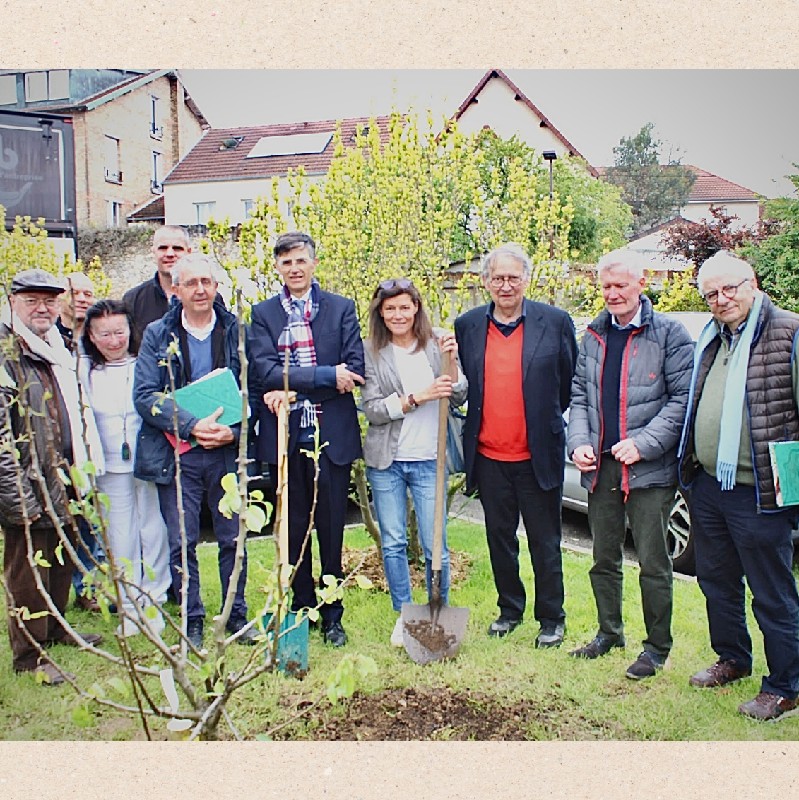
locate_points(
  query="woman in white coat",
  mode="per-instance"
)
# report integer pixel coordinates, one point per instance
(137, 534)
(404, 380)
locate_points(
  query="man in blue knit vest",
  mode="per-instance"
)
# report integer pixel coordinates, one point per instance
(207, 338)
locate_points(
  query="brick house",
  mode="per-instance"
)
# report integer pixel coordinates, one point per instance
(130, 128)
(229, 168)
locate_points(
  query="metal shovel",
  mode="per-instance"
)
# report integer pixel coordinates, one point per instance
(434, 632)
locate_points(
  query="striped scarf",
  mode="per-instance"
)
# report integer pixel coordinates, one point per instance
(297, 338)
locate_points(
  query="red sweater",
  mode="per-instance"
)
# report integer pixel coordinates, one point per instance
(503, 428)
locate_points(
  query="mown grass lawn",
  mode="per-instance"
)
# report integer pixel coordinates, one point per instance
(566, 699)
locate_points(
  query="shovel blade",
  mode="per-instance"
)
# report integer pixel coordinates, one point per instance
(432, 634)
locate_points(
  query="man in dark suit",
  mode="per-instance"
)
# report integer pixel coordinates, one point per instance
(519, 357)
(321, 333)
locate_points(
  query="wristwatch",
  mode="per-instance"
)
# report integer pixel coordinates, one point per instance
(412, 404)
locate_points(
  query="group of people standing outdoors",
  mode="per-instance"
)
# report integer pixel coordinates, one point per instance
(644, 404)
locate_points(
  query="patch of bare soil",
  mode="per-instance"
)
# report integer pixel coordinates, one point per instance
(412, 714)
(372, 567)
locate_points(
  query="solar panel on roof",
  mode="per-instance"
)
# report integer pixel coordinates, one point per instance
(291, 144)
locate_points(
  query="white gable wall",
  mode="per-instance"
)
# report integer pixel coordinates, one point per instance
(497, 109)
(747, 211)
(228, 198)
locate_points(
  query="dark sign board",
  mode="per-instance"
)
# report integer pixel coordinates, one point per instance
(37, 175)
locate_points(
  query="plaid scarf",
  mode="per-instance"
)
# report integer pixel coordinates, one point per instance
(297, 338)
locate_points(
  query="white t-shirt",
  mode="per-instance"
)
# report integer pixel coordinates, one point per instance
(419, 433)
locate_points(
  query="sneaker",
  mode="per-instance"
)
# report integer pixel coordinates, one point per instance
(502, 626)
(396, 634)
(598, 646)
(127, 628)
(719, 674)
(767, 706)
(550, 635)
(646, 665)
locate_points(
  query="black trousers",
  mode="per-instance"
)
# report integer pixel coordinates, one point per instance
(329, 518)
(507, 489)
(734, 543)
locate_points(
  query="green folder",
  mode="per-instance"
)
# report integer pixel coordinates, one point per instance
(785, 466)
(203, 396)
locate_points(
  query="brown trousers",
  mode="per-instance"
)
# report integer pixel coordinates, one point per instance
(22, 586)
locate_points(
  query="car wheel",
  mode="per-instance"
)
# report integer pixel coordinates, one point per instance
(680, 542)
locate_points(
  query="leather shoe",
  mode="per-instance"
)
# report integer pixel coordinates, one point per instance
(502, 626)
(550, 635)
(194, 632)
(767, 707)
(598, 646)
(51, 675)
(250, 637)
(334, 634)
(719, 674)
(86, 603)
(88, 638)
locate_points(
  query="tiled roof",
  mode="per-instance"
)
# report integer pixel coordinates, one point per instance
(111, 92)
(210, 160)
(150, 211)
(522, 97)
(710, 188)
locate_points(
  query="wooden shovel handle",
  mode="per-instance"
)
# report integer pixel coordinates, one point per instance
(441, 472)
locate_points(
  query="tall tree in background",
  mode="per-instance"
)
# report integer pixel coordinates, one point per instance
(775, 257)
(654, 191)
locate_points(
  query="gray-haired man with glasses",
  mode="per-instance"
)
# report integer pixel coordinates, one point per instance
(518, 357)
(744, 394)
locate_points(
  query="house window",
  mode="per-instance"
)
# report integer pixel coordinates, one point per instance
(8, 90)
(249, 208)
(113, 173)
(204, 212)
(52, 85)
(155, 181)
(58, 84)
(114, 208)
(35, 86)
(156, 131)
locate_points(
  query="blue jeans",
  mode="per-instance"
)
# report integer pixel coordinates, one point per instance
(90, 550)
(201, 473)
(390, 492)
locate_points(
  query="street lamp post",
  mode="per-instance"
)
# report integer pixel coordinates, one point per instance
(550, 156)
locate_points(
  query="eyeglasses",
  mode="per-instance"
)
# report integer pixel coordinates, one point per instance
(498, 281)
(106, 335)
(193, 283)
(729, 291)
(394, 283)
(35, 302)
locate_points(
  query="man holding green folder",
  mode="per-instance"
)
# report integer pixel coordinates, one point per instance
(207, 338)
(743, 396)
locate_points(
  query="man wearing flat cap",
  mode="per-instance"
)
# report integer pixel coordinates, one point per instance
(41, 431)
